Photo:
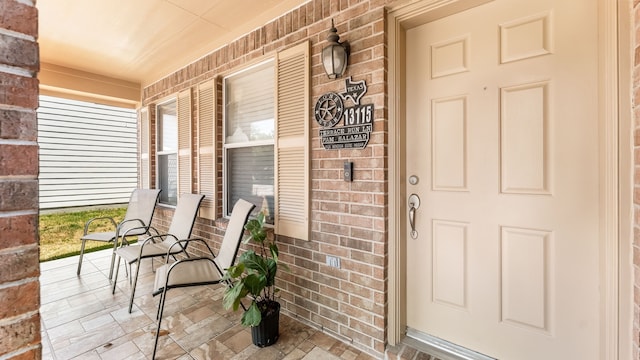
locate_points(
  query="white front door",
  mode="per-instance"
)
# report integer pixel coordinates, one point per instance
(502, 135)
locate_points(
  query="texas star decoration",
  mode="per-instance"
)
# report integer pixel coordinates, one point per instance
(329, 109)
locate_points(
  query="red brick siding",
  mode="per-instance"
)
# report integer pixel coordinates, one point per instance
(20, 294)
(20, 91)
(348, 219)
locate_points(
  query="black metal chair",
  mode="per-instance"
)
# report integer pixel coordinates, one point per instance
(161, 245)
(136, 222)
(202, 270)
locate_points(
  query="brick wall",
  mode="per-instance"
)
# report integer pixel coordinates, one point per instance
(19, 269)
(348, 218)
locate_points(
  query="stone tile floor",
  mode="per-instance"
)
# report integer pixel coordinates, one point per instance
(81, 319)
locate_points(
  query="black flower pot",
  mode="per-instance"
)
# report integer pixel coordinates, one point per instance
(267, 332)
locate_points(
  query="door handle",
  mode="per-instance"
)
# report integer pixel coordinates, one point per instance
(414, 204)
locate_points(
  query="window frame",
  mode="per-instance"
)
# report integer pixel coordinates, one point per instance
(226, 207)
(159, 153)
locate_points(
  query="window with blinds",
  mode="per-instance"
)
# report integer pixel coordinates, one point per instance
(167, 152)
(249, 138)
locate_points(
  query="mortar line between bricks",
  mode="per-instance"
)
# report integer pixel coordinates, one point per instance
(16, 34)
(18, 283)
(18, 142)
(13, 250)
(19, 352)
(16, 71)
(9, 214)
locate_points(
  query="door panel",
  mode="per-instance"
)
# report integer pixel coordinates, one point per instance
(502, 133)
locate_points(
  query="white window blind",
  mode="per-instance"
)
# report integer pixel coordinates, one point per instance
(249, 137)
(249, 105)
(167, 146)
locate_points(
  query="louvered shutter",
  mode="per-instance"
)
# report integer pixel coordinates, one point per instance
(184, 142)
(206, 148)
(145, 170)
(292, 142)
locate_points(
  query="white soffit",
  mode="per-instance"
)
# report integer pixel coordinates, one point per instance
(142, 41)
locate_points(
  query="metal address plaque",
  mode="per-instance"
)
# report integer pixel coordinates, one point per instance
(358, 119)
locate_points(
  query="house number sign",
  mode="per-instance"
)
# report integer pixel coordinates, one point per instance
(358, 119)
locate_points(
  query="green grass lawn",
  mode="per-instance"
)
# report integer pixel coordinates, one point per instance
(60, 233)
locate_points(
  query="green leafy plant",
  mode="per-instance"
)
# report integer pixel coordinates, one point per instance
(254, 275)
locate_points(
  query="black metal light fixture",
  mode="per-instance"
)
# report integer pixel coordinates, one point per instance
(335, 55)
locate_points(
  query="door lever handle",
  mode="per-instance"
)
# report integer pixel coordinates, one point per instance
(414, 204)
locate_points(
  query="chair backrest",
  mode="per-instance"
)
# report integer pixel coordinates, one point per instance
(233, 235)
(184, 216)
(142, 205)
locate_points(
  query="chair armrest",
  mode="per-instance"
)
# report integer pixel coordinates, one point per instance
(141, 224)
(154, 230)
(126, 233)
(153, 238)
(86, 224)
(131, 220)
(186, 242)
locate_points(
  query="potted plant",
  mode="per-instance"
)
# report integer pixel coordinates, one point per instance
(254, 275)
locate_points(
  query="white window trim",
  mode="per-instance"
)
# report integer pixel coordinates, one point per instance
(156, 169)
(225, 146)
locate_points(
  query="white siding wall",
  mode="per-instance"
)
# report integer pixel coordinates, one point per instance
(87, 153)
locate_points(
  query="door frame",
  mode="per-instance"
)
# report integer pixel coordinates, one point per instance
(616, 164)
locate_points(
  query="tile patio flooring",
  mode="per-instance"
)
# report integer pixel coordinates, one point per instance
(81, 319)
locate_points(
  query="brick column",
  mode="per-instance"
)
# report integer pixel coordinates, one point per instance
(19, 267)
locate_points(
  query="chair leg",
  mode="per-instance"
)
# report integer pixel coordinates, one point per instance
(115, 278)
(160, 304)
(81, 254)
(133, 287)
(113, 257)
(127, 270)
(159, 316)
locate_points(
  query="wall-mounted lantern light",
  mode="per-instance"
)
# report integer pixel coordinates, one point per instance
(335, 55)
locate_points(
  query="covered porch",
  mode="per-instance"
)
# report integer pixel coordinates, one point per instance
(81, 319)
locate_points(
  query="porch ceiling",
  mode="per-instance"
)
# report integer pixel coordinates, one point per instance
(141, 41)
